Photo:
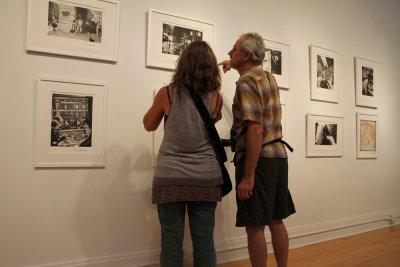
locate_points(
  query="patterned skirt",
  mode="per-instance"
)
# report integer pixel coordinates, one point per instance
(175, 193)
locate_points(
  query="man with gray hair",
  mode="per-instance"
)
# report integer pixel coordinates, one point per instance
(262, 193)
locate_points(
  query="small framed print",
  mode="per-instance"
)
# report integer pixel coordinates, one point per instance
(366, 82)
(79, 28)
(277, 61)
(70, 124)
(168, 34)
(367, 136)
(324, 74)
(324, 136)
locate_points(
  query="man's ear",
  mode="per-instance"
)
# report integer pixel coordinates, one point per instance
(247, 56)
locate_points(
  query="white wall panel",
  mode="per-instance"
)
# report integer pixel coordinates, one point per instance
(104, 217)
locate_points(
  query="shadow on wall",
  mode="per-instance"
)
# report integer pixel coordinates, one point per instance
(114, 216)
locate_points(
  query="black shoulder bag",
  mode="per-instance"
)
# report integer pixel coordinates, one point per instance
(215, 142)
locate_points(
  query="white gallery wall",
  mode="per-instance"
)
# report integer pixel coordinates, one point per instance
(104, 216)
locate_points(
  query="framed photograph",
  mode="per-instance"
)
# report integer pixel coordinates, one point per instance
(277, 61)
(324, 136)
(169, 34)
(79, 28)
(366, 82)
(324, 74)
(70, 124)
(367, 136)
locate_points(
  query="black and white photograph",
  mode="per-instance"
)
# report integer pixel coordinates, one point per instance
(175, 38)
(366, 77)
(71, 120)
(325, 72)
(367, 81)
(168, 34)
(273, 61)
(325, 134)
(80, 28)
(277, 62)
(70, 124)
(74, 22)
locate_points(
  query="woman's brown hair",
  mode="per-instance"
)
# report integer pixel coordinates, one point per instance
(197, 69)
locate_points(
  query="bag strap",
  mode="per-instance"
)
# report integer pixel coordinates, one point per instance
(216, 143)
(212, 131)
(168, 94)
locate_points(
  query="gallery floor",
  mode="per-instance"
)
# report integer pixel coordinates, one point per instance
(376, 248)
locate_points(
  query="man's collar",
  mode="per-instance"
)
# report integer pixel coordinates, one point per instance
(254, 67)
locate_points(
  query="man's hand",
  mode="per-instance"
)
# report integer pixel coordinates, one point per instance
(245, 188)
(226, 65)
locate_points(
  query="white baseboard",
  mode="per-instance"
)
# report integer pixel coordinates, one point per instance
(236, 248)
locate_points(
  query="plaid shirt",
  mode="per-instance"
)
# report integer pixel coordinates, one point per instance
(257, 100)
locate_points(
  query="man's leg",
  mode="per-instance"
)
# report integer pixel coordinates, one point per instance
(280, 242)
(256, 245)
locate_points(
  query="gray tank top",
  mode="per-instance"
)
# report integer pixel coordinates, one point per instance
(186, 156)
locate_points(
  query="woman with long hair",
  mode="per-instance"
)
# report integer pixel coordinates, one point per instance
(187, 174)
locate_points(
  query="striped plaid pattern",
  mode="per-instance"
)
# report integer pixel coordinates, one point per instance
(257, 100)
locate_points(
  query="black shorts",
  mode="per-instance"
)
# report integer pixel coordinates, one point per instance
(271, 199)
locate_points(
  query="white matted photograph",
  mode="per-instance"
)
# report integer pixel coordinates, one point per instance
(168, 34)
(82, 28)
(324, 136)
(277, 61)
(367, 135)
(366, 82)
(324, 74)
(70, 124)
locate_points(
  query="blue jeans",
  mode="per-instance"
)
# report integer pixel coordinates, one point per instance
(201, 222)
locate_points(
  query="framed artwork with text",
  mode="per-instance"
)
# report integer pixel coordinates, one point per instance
(367, 135)
(70, 124)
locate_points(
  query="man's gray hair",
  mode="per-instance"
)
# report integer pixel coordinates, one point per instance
(253, 43)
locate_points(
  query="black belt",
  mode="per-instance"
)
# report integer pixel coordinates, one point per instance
(279, 141)
(273, 141)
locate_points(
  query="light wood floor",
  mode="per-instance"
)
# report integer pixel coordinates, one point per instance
(379, 248)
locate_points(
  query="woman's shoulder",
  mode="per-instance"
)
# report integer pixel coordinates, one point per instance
(165, 92)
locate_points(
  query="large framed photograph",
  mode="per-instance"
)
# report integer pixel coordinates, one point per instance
(70, 124)
(277, 61)
(79, 28)
(324, 136)
(366, 82)
(367, 136)
(324, 74)
(168, 34)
